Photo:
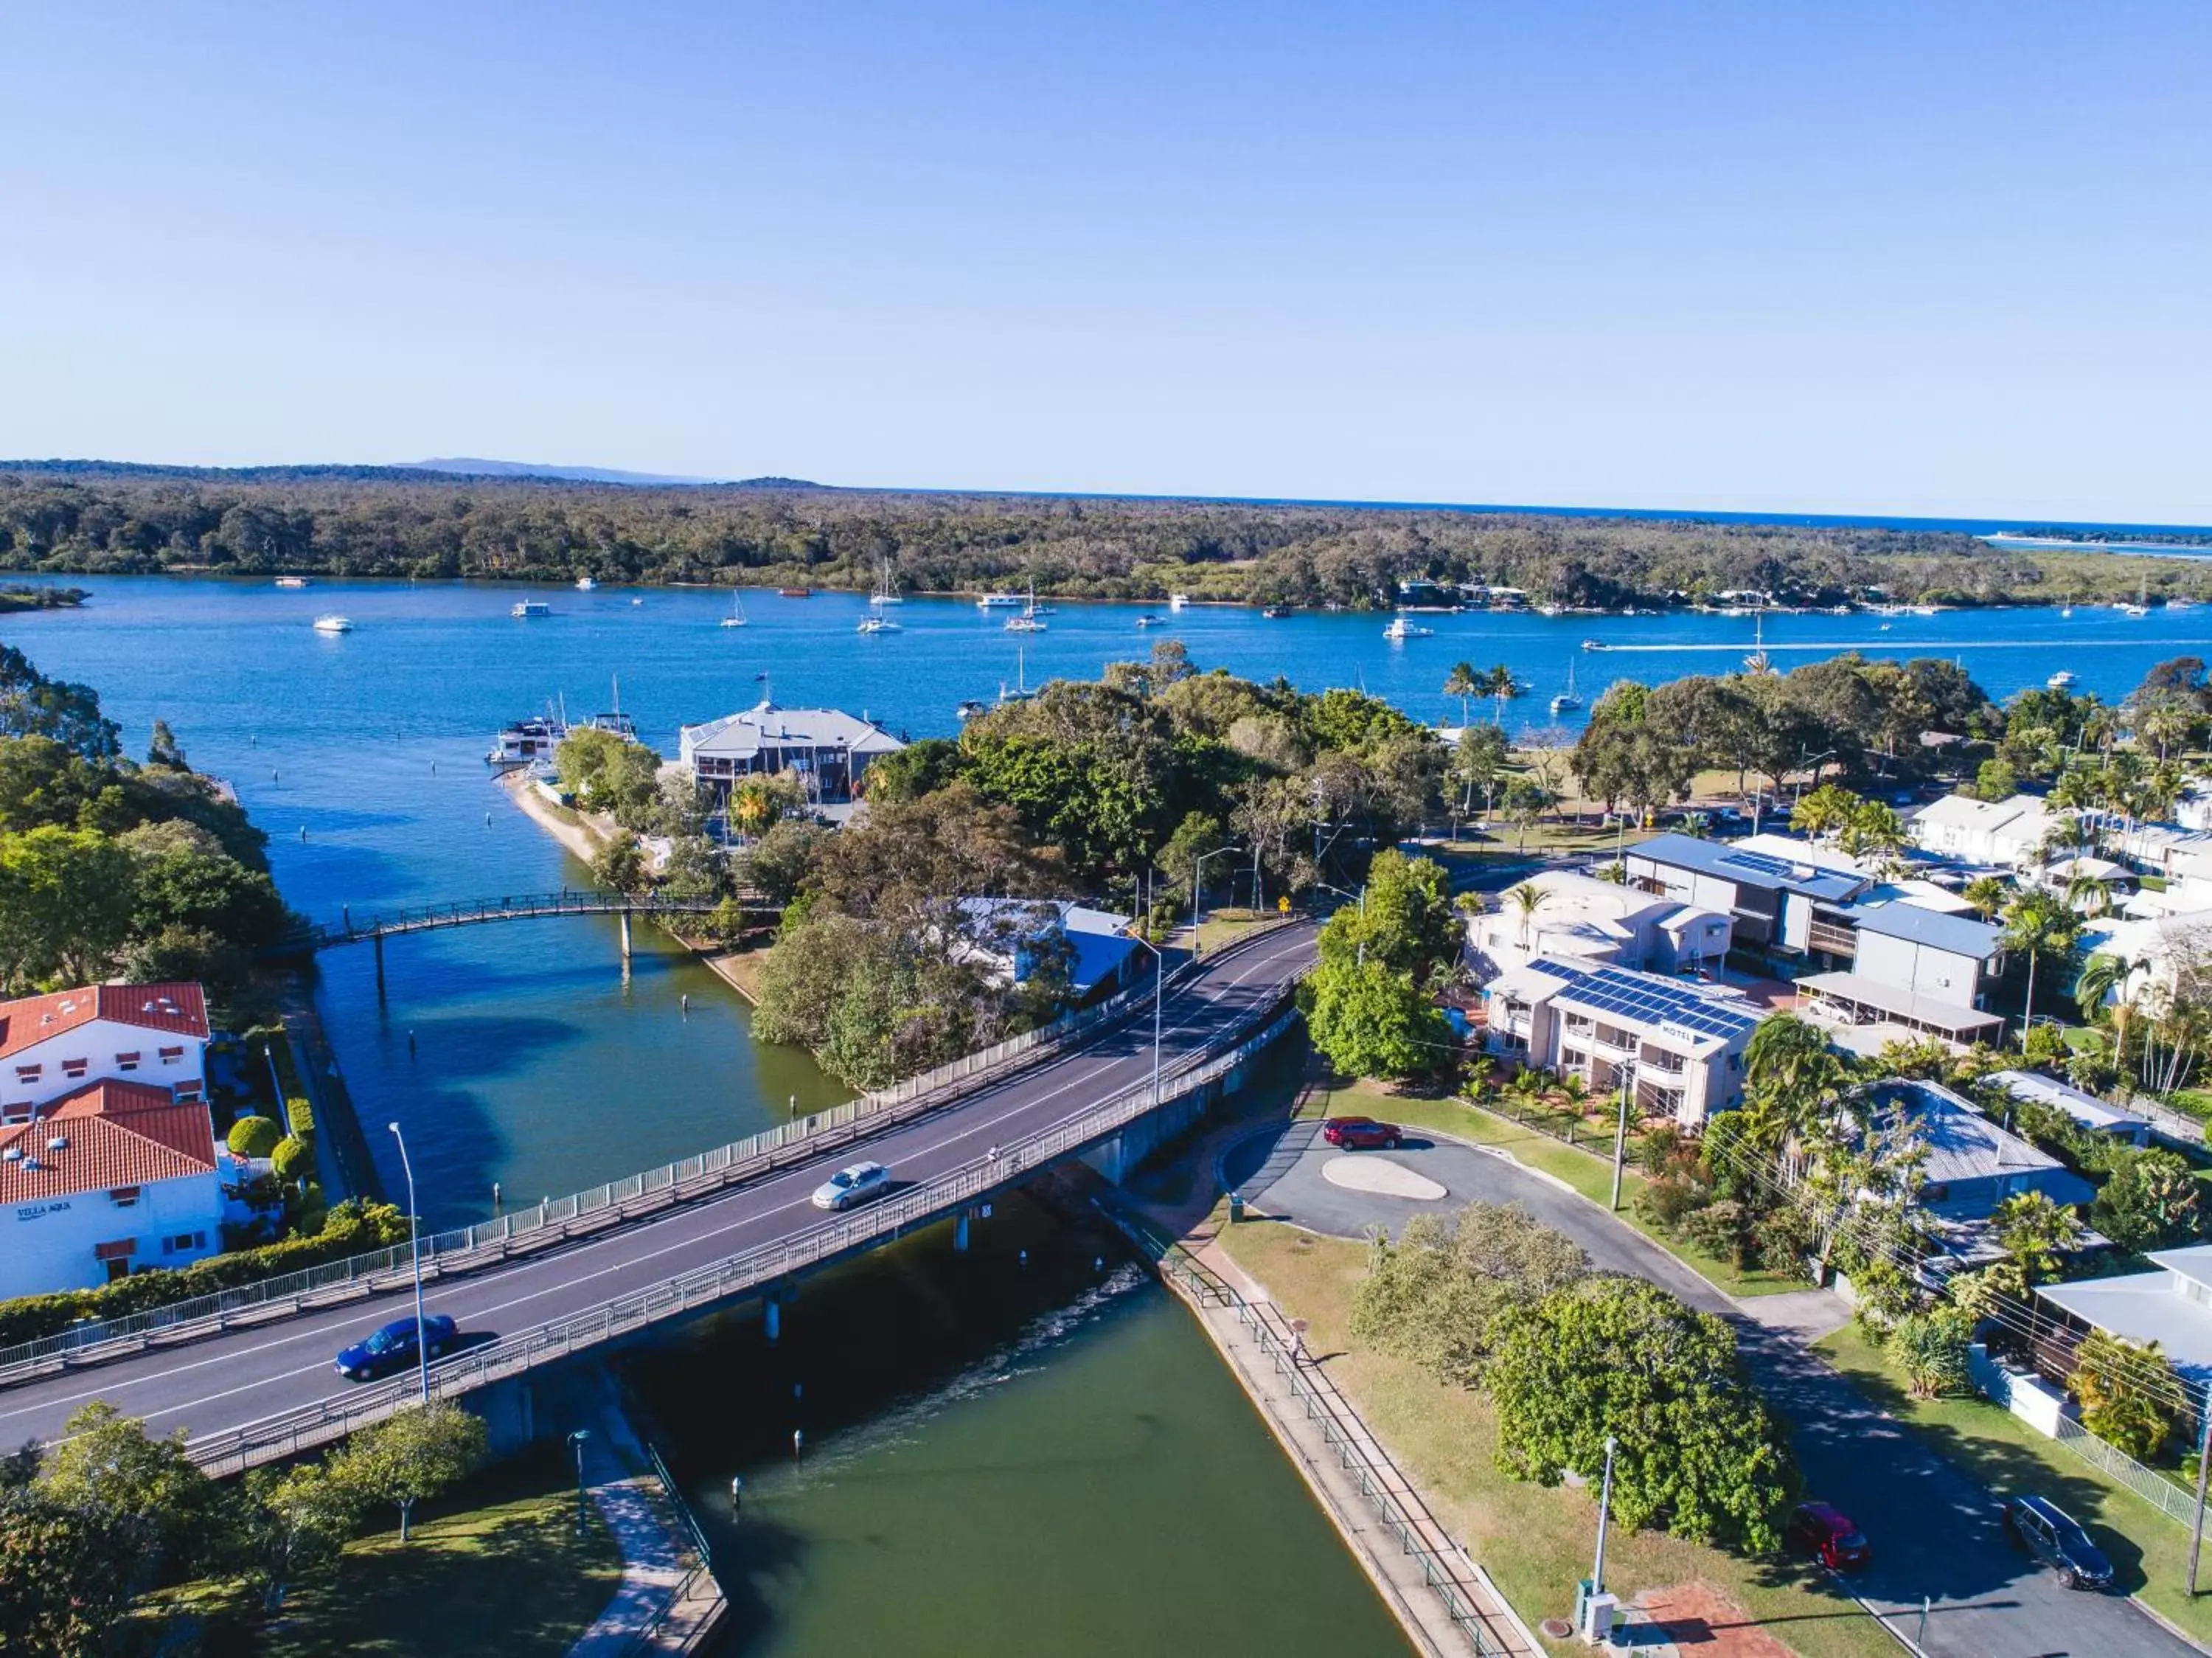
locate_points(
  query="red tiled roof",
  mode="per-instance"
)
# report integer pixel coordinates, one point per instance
(118, 1134)
(179, 1009)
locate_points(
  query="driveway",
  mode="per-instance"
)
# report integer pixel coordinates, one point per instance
(1935, 1530)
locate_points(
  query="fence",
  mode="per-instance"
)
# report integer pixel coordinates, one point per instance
(698, 1583)
(2148, 1484)
(315, 1425)
(556, 1219)
(2166, 1122)
(1445, 1568)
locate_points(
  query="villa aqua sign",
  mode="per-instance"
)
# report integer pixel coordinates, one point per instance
(31, 1211)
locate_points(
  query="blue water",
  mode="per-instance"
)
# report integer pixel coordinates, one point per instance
(536, 1065)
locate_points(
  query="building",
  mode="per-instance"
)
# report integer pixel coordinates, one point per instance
(1683, 1043)
(1772, 903)
(2001, 834)
(1016, 936)
(1972, 1164)
(156, 1034)
(2087, 1110)
(1597, 923)
(830, 750)
(106, 1179)
(2171, 1305)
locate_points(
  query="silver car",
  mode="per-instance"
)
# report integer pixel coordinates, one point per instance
(854, 1184)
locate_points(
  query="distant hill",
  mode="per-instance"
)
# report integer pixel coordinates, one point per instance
(517, 472)
(472, 466)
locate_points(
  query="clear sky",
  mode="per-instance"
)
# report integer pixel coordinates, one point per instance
(1946, 258)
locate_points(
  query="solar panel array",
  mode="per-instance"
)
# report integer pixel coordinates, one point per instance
(1760, 862)
(1649, 999)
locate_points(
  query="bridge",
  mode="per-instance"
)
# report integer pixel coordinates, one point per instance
(253, 1384)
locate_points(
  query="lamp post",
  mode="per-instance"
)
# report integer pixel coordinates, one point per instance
(1359, 897)
(1802, 762)
(414, 1243)
(1196, 915)
(1604, 1509)
(576, 1444)
(1620, 1128)
(1159, 984)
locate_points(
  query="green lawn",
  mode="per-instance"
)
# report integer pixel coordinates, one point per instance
(1997, 1448)
(1534, 1542)
(496, 1566)
(1588, 1171)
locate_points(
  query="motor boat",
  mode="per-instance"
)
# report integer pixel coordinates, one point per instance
(291, 580)
(2061, 679)
(877, 624)
(333, 624)
(585, 584)
(531, 607)
(1401, 629)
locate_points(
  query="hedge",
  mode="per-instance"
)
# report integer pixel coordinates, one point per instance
(352, 1229)
(253, 1137)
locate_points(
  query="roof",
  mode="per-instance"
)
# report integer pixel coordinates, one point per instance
(118, 1134)
(1965, 1145)
(743, 735)
(1906, 1004)
(2145, 1307)
(1964, 811)
(1652, 1001)
(179, 1009)
(1724, 862)
(1928, 894)
(1958, 934)
(1097, 937)
(2086, 1109)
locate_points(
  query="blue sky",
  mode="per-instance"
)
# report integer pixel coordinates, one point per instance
(1910, 259)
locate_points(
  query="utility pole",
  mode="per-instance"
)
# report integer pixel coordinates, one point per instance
(1620, 1128)
(1604, 1511)
(2203, 1448)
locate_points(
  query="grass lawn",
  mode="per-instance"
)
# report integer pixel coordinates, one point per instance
(1534, 1542)
(2006, 1455)
(1223, 927)
(495, 1566)
(1589, 1173)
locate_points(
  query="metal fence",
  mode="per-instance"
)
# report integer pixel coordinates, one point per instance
(2166, 1122)
(1445, 1568)
(2155, 1488)
(555, 1220)
(319, 1424)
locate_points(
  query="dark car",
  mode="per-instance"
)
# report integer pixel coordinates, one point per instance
(393, 1348)
(1360, 1133)
(2045, 1530)
(1829, 1536)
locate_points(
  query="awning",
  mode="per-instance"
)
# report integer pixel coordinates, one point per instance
(1861, 994)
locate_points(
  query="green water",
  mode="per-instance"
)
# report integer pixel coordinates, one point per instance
(999, 1460)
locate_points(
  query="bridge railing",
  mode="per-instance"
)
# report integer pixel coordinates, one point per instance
(422, 918)
(931, 1200)
(555, 1220)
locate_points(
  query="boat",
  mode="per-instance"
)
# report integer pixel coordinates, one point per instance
(794, 593)
(1178, 600)
(333, 624)
(528, 740)
(886, 591)
(2061, 679)
(971, 709)
(1566, 701)
(1402, 628)
(2132, 610)
(2181, 603)
(614, 721)
(532, 607)
(1148, 621)
(998, 601)
(1021, 692)
(585, 584)
(877, 624)
(737, 616)
(1274, 612)
(291, 580)
(1592, 644)
(2069, 611)
(1023, 624)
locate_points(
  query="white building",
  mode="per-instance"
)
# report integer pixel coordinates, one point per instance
(1776, 904)
(2001, 834)
(107, 1179)
(2172, 1306)
(1596, 923)
(2088, 1110)
(1682, 1043)
(156, 1034)
(829, 749)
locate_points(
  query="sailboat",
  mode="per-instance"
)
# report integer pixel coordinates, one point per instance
(737, 616)
(886, 591)
(1028, 621)
(1758, 661)
(1566, 701)
(1021, 692)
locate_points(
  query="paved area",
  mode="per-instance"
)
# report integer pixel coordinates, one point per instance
(1935, 1530)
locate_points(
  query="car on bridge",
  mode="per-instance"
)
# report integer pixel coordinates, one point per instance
(1361, 1133)
(393, 1348)
(856, 1184)
(2050, 1534)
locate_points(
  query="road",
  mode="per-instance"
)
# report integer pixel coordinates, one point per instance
(1934, 1529)
(230, 1381)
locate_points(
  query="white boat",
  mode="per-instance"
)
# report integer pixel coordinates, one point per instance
(2069, 611)
(1592, 644)
(971, 709)
(1402, 628)
(333, 624)
(532, 607)
(886, 591)
(1148, 621)
(737, 616)
(291, 580)
(1177, 600)
(528, 740)
(877, 624)
(2061, 679)
(2181, 603)
(585, 584)
(1023, 624)
(1027, 622)
(1566, 701)
(998, 601)
(2132, 610)
(1021, 692)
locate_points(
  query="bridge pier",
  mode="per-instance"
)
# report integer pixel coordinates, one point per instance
(772, 1315)
(377, 939)
(625, 937)
(960, 1233)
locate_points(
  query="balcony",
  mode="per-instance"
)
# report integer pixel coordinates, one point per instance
(1831, 938)
(1659, 1062)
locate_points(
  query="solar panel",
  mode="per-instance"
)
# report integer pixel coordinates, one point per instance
(1760, 862)
(1656, 1002)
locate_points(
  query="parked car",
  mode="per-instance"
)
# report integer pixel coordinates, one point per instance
(1360, 1133)
(855, 1185)
(393, 1348)
(2045, 1530)
(1829, 1536)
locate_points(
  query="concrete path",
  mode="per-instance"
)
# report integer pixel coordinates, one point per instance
(1935, 1530)
(657, 1594)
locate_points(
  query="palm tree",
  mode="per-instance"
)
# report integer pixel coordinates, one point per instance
(1463, 683)
(1501, 684)
(1986, 893)
(1528, 898)
(2037, 922)
(2104, 977)
(1828, 808)
(2087, 893)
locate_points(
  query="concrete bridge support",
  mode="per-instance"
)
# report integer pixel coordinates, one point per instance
(377, 939)
(509, 1410)
(625, 937)
(1114, 1158)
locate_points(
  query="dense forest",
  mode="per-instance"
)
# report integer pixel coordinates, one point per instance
(92, 517)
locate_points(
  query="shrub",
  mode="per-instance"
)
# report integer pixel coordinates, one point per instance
(301, 1114)
(253, 1137)
(1660, 1146)
(1722, 1228)
(1665, 1202)
(1930, 1348)
(293, 1156)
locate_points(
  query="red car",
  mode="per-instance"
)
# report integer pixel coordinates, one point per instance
(1830, 1537)
(1359, 1133)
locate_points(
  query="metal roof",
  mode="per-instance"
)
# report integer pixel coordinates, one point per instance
(1956, 933)
(1653, 1001)
(1726, 863)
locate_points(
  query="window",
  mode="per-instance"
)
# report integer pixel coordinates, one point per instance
(123, 1197)
(170, 1056)
(72, 1067)
(28, 1073)
(126, 1062)
(184, 1242)
(18, 1113)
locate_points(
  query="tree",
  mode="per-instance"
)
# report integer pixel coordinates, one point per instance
(2130, 1395)
(1931, 1350)
(294, 1523)
(1437, 1295)
(1369, 1019)
(914, 770)
(292, 1156)
(1526, 899)
(108, 1460)
(2151, 1199)
(253, 1137)
(2037, 924)
(1406, 921)
(1464, 683)
(2036, 1232)
(411, 1455)
(1826, 811)
(1986, 893)
(66, 1571)
(1996, 780)
(1699, 1451)
(164, 750)
(1874, 835)
(619, 866)
(65, 904)
(1199, 835)
(1480, 761)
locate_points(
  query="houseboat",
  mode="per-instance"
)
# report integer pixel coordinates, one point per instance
(291, 580)
(531, 607)
(794, 593)
(1000, 602)
(527, 741)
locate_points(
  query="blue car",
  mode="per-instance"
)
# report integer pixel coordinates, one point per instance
(393, 1348)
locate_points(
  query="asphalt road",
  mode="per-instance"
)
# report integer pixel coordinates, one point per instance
(1934, 1529)
(230, 1381)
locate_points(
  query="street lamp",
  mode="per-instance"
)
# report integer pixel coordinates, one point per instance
(1620, 1128)
(1604, 1509)
(576, 1443)
(1195, 890)
(1359, 897)
(1802, 762)
(415, 1242)
(1159, 984)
